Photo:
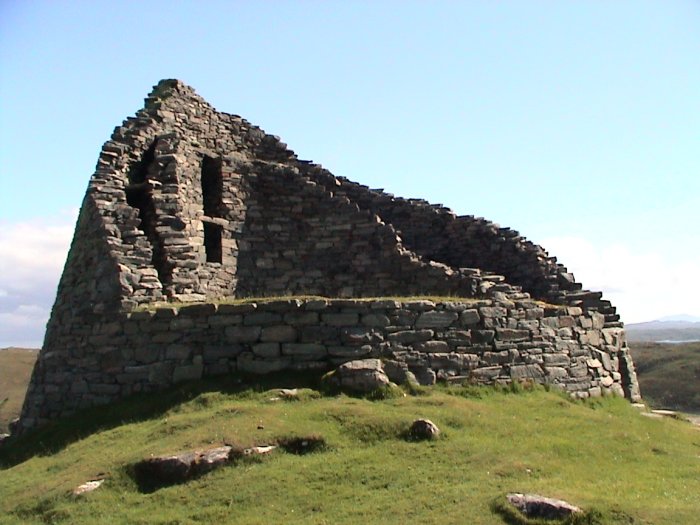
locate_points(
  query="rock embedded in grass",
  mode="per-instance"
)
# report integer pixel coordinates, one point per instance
(87, 487)
(168, 470)
(424, 429)
(536, 506)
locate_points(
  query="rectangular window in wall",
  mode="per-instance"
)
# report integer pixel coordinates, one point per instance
(212, 186)
(212, 242)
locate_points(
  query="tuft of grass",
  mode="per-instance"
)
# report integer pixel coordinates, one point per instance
(301, 445)
(273, 298)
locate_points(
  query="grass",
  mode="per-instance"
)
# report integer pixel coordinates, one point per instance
(669, 374)
(15, 370)
(601, 455)
(263, 300)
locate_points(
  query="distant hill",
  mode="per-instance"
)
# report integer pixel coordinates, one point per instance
(669, 374)
(658, 331)
(15, 370)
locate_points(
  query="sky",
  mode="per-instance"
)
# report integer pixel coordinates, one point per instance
(575, 123)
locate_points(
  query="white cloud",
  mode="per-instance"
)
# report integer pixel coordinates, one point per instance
(32, 255)
(642, 284)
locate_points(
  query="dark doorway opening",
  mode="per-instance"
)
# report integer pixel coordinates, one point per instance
(212, 241)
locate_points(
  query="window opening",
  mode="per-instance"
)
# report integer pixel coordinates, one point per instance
(212, 241)
(212, 186)
(139, 195)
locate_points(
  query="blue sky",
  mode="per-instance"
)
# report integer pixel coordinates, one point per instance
(576, 123)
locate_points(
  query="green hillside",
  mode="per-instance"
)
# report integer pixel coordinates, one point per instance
(601, 455)
(15, 370)
(669, 374)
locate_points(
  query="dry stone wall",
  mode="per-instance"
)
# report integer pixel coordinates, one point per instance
(483, 341)
(188, 204)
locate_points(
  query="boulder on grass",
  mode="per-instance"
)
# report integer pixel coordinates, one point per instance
(362, 376)
(167, 470)
(424, 429)
(536, 506)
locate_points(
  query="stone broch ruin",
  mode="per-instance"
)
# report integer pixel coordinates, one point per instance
(189, 207)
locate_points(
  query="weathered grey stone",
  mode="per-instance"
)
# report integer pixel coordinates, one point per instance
(411, 336)
(261, 318)
(424, 429)
(347, 319)
(555, 372)
(483, 336)
(431, 346)
(508, 334)
(526, 372)
(375, 319)
(168, 470)
(469, 317)
(359, 335)
(247, 363)
(349, 351)
(606, 381)
(87, 487)
(307, 350)
(265, 350)
(363, 375)
(178, 352)
(278, 334)
(488, 374)
(318, 334)
(436, 319)
(398, 372)
(188, 372)
(243, 334)
(536, 506)
(557, 360)
(493, 311)
(301, 318)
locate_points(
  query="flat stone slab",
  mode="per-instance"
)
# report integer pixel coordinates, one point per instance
(161, 471)
(536, 506)
(87, 487)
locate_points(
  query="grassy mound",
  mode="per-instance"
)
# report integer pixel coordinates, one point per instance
(15, 370)
(601, 455)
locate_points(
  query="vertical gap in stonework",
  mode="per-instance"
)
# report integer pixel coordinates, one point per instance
(212, 186)
(139, 195)
(212, 241)
(212, 189)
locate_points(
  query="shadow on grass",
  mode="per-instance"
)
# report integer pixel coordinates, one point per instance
(56, 435)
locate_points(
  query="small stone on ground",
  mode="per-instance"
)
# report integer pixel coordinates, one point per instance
(424, 429)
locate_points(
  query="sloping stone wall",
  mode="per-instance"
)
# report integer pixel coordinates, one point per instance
(484, 341)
